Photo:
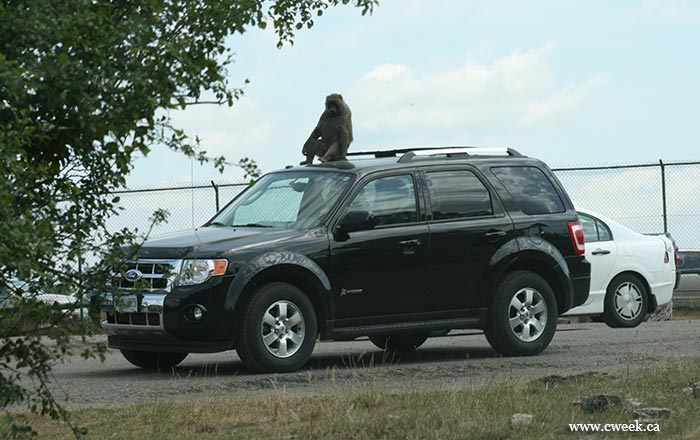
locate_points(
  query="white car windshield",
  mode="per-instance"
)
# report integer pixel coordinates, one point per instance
(291, 200)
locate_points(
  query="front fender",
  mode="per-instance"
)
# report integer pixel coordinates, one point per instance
(284, 263)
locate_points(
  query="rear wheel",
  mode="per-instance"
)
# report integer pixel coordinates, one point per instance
(399, 342)
(626, 302)
(278, 330)
(522, 316)
(153, 361)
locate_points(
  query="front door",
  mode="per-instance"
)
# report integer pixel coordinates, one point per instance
(382, 271)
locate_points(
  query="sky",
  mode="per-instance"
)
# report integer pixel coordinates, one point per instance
(573, 83)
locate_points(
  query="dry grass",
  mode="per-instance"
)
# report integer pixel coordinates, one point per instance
(685, 308)
(368, 414)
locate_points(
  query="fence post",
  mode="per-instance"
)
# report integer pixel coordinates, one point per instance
(663, 193)
(216, 194)
(80, 275)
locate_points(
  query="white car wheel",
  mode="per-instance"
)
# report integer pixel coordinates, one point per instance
(626, 301)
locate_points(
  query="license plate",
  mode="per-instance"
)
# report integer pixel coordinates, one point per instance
(126, 304)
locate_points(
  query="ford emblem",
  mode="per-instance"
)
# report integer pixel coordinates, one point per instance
(133, 275)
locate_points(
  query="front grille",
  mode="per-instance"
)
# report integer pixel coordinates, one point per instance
(147, 319)
(157, 274)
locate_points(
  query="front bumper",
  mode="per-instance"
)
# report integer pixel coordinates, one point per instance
(161, 320)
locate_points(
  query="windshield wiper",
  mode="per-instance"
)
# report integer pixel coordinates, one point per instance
(252, 225)
(217, 224)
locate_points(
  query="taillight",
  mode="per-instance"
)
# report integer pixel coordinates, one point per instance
(677, 254)
(576, 234)
(665, 257)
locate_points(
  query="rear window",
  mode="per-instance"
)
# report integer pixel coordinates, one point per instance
(531, 189)
(457, 194)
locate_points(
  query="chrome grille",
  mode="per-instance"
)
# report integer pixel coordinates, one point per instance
(148, 318)
(158, 274)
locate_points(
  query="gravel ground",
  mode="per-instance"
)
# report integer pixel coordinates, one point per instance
(459, 360)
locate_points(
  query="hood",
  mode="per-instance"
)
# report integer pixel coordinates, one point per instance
(211, 241)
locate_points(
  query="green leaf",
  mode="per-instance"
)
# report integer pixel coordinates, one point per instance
(85, 88)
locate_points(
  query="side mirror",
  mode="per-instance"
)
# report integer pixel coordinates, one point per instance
(355, 221)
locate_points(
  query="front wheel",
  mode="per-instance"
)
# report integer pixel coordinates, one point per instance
(399, 342)
(278, 330)
(153, 361)
(522, 316)
(626, 302)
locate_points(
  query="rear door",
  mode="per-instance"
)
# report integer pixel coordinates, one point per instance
(467, 226)
(538, 209)
(601, 251)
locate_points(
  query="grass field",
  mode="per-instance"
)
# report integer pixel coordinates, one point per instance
(405, 414)
(686, 308)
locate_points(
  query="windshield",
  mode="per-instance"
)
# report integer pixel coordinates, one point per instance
(294, 200)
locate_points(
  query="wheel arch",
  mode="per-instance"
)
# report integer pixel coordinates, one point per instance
(544, 266)
(316, 288)
(651, 299)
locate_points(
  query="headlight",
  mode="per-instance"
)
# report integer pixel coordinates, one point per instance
(198, 271)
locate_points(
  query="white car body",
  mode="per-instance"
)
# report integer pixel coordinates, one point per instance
(7, 300)
(648, 257)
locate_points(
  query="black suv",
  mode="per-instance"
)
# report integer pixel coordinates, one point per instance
(397, 247)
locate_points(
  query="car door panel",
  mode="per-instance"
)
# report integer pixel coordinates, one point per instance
(467, 227)
(382, 271)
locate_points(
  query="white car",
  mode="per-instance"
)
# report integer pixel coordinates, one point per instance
(631, 273)
(55, 300)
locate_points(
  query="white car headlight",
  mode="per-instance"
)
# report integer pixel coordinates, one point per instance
(198, 271)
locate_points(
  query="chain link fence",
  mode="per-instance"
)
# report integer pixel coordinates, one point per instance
(648, 198)
(187, 206)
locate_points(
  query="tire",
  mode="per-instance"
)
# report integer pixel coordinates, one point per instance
(626, 302)
(266, 342)
(522, 316)
(153, 361)
(399, 342)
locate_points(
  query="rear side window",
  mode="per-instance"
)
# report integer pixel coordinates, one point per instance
(531, 189)
(589, 229)
(604, 233)
(457, 194)
(594, 229)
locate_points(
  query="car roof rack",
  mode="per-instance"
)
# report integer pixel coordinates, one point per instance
(409, 154)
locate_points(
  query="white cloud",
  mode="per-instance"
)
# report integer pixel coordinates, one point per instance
(518, 88)
(563, 100)
(387, 72)
(228, 131)
(525, 72)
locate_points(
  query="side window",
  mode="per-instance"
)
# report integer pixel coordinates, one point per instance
(531, 189)
(604, 233)
(589, 229)
(390, 200)
(457, 194)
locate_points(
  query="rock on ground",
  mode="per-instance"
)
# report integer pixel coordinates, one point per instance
(520, 421)
(662, 313)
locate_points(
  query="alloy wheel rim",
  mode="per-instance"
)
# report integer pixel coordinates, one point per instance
(282, 329)
(628, 301)
(527, 314)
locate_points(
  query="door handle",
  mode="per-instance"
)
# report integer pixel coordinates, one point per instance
(410, 243)
(493, 234)
(600, 252)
